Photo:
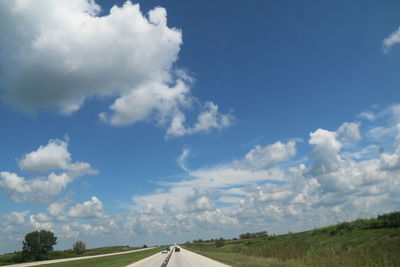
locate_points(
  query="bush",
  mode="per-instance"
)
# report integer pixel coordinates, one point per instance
(79, 247)
(37, 245)
(17, 258)
(220, 242)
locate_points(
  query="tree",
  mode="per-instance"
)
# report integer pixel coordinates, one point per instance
(37, 245)
(79, 247)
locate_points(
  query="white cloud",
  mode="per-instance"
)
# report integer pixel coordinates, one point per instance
(367, 115)
(57, 54)
(182, 159)
(92, 208)
(268, 156)
(56, 208)
(227, 176)
(257, 165)
(380, 132)
(326, 149)
(349, 131)
(207, 120)
(392, 161)
(41, 221)
(52, 157)
(391, 40)
(229, 199)
(34, 190)
(15, 218)
(210, 118)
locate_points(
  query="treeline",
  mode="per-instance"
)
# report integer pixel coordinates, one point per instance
(38, 246)
(254, 235)
(388, 220)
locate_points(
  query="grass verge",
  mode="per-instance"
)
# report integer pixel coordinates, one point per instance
(108, 261)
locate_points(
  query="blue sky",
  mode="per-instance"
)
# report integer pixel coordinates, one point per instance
(175, 121)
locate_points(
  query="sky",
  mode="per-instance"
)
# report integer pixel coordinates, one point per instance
(161, 121)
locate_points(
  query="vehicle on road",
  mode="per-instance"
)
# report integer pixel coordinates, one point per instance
(164, 251)
(168, 248)
(177, 249)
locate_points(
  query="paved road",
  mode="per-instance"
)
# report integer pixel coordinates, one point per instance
(72, 259)
(155, 260)
(184, 258)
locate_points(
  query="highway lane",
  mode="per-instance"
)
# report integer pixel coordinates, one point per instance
(155, 260)
(184, 258)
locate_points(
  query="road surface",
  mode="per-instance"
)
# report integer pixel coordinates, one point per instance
(36, 263)
(184, 258)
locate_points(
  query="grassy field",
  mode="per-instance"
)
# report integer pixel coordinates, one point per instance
(7, 259)
(346, 244)
(109, 261)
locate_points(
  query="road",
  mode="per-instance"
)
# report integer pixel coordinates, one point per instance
(184, 258)
(36, 263)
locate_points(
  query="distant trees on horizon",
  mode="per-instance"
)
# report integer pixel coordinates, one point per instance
(254, 235)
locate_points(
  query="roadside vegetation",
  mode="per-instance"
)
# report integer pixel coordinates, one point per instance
(363, 242)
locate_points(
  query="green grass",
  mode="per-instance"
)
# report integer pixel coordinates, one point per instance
(349, 244)
(109, 261)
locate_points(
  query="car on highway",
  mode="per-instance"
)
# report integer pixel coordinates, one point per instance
(164, 251)
(177, 249)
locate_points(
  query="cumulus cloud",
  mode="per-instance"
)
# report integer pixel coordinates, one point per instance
(391, 40)
(57, 54)
(53, 157)
(56, 208)
(33, 190)
(92, 208)
(326, 149)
